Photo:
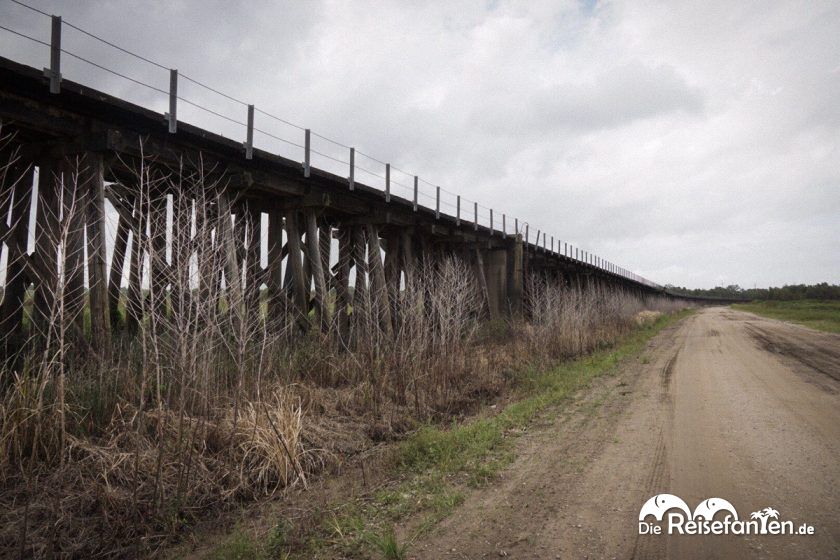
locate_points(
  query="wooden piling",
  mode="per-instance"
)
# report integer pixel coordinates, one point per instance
(322, 311)
(379, 290)
(342, 281)
(276, 298)
(118, 260)
(297, 285)
(93, 174)
(76, 183)
(18, 189)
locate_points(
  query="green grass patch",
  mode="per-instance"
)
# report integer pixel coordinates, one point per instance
(437, 463)
(821, 315)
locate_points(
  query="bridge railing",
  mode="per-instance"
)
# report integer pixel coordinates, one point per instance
(183, 98)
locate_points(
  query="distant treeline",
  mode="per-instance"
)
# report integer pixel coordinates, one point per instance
(785, 293)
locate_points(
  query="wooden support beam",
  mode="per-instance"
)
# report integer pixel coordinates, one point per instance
(71, 237)
(294, 264)
(233, 274)
(409, 259)
(379, 291)
(482, 280)
(156, 249)
(180, 247)
(17, 187)
(253, 224)
(516, 275)
(134, 296)
(100, 321)
(360, 291)
(118, 259)
(316, 267)
(392, 274)
(342, 281)
(325, 247)
(276, 298)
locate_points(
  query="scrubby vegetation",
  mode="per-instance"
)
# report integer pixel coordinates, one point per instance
(435, 464)
(213, 393)
(117, 455)
(822, 291)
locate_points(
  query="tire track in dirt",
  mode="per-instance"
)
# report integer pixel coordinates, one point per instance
(513, 517)
(709, 413)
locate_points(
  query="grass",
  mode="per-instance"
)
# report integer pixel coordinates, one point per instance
(435, 465)
(815, 314)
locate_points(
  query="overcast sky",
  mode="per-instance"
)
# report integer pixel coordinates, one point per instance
(696, 143)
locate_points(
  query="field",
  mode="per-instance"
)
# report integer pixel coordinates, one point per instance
(815, 314)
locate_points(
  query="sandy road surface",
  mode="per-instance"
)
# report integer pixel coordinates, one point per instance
(724, 404)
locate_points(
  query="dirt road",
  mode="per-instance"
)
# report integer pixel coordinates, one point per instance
(723, 405)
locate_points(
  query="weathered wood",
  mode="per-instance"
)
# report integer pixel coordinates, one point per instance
(18, 187)
(482, 280)
(294, 265)
(409, 259)
(342, 282)
(207, 250)
(233, 274)
(180, 250)
(76, 183)
(361, 307)
(156, 249)
(379, 290)
(392, 275)
(93, 174)
(118, 259)
(134, 294)
(253, 278)
(276, 298)
(317, 269)
(516, 275)
(325, 247)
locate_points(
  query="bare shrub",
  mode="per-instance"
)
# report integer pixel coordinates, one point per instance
(568, 320)
(212, 393)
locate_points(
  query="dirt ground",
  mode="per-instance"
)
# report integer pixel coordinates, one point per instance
(724, 404)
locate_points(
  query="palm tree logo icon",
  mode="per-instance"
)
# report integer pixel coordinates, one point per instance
(763, 515)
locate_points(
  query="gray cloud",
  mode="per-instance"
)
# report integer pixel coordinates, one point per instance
(694, 142)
